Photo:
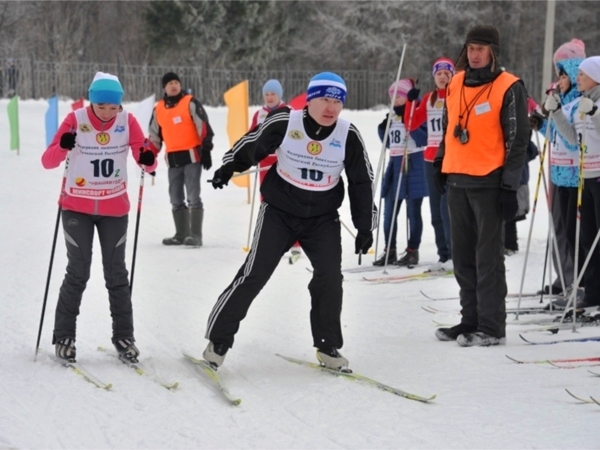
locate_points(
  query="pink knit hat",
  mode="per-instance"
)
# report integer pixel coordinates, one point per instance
(575, 48)
(401, 87)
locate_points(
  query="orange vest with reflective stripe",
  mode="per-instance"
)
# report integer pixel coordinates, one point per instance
(485, 151)
(177, 126)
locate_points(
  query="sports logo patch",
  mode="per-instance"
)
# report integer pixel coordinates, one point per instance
(80, 181)
(296, 134)
(85, 128)
(314, 148)
(103, 138)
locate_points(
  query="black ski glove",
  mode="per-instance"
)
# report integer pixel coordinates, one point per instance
(364, 240)
(67, 141)
(413, 94)
(439, 178)
(206, 159)
(508, 204)
(222, 176)
(536, 120)
(147, 157)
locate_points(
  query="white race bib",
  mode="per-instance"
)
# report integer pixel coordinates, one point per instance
(98, 163)
(310, 164)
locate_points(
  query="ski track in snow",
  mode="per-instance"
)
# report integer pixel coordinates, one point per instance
(483, 399)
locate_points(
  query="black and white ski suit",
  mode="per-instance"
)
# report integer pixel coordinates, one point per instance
(290, 213)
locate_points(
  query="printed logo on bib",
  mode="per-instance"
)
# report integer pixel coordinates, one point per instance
(85, 128)
(119, 129)
(296, 134)
(335, 143)
(176, 120)
(103, 138)
(439, 104)
(80, 181)
(314, 147)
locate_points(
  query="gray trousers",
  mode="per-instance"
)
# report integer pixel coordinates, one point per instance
(79, 237)
(477, 231)
(187, 177)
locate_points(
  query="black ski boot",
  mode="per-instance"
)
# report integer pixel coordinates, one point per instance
(391, 258)
(410, 258)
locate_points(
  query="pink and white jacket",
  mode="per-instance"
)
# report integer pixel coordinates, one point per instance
(55, 155)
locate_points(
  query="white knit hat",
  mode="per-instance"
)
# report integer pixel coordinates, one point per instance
(591, 67)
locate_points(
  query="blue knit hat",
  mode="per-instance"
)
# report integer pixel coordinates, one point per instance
(105, 88)
(273, 86)
(326, 84)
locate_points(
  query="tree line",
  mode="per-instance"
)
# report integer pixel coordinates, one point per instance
(268, 35)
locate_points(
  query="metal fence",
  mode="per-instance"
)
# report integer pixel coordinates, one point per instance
(43, 79)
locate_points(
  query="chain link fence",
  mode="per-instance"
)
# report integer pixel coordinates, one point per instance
(35, 79)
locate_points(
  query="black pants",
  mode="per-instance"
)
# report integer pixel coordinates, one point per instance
(510, 235)
(275, 233)
(79, 236)
(477, 231)
(564, 215)
(590, 226)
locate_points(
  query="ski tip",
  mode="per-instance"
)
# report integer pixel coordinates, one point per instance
(521, 336)
(514, 360)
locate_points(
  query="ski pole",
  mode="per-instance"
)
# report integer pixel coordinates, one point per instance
(52, 251)
(137, 228)
(554, 252)
(246, 172)
(533, 213)
(381, 161)
(247, 247)
(576, 276)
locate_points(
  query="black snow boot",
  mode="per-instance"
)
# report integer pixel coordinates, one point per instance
(182, 227)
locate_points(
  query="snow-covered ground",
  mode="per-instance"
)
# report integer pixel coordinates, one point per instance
(483, 399)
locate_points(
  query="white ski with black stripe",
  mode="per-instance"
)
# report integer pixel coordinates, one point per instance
(78, 369)
(347, 373)
(141, 369)
(214, 377)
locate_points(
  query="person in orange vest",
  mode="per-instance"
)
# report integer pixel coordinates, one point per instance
(479, 162)
(180, 121)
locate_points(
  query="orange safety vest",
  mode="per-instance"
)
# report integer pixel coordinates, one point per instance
(485, 151)
(177, 126)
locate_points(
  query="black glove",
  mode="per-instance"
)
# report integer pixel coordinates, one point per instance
(67, 141)
(536, 120)
(364, 240)
(508, 204)
(222, 176)
(147, 157)
(206, 159)
(413, 94)
(439, 179)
